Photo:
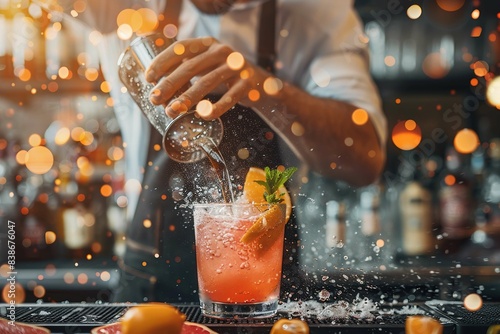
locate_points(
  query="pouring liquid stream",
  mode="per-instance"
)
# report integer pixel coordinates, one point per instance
(217, 160)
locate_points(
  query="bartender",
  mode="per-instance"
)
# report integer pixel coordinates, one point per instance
(326, 117)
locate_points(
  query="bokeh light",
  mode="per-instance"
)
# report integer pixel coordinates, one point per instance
(170, 31)
(91, 74)
(147, 223)
(435, 66)
(272, 86)
(476, 31)
(414, 12)
(466, 141)
(50, 237)
(149, 20)
(115, 153)
(39, 160)
(359, 117)
(179, 49)
(254, 95)
(106, 190)
(82, 278)
(64, 73)
(69, 278)
(406, 135)
(105, 87)
(124, 32)
(35, 139)
(62, 136)
(21, 157)
(39, 291)
(480, 68)
(389, 61)
(473, 302)
(475, 14)
(13, 292)
(235, 61)
(95, 37)
(297, 129)
(493, 92)
(450, 5)
(204, 108)
(105, 276)
(24, 74)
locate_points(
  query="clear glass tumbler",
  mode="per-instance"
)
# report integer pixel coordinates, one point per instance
(238, 279)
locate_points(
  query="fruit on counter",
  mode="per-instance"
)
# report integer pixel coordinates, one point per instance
(14, 327)
(187, 328)
(290, 326)
(152, 318)
(422, 324)
(493, 329)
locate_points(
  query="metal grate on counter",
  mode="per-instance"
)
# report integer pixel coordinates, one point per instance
(467, 321)
(81, 318)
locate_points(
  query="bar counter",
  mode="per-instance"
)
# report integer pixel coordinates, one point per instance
(83, 317)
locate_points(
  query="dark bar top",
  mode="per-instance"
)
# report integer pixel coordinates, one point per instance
(321, 317)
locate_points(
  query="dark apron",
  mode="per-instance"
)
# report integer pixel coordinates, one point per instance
(159, 262)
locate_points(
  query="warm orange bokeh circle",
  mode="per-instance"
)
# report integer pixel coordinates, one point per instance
(406, 135)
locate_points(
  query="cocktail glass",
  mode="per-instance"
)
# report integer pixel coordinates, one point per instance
(239, 250)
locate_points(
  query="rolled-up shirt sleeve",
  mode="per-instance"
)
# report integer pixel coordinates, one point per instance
(331, 60)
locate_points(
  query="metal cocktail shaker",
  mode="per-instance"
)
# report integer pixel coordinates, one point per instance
(180, 135)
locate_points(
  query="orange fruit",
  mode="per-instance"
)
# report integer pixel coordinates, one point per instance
(421, 324)
(254, 192)
(271, 219)
(493, 329)
(290, 326)
(152, 318)
(269, 226)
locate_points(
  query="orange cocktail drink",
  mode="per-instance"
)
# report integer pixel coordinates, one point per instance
(239, 250)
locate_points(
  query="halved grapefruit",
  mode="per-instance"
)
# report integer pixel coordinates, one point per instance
(187, 328)
(14, 327)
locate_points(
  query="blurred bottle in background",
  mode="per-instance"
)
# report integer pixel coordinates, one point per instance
(456, 202)
(416, 206)
(364, 235)
(417, 213)
(491, 189)
(75, 223)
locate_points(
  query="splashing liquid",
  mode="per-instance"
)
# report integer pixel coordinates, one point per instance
(215, 157)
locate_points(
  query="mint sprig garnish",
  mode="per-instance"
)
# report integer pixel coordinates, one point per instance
(274, 180)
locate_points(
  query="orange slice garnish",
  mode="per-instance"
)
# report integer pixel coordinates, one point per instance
(254, 192)
(421, 324)
(269, 226)
(271, 219)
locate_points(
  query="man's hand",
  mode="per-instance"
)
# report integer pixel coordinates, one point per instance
(213, 66)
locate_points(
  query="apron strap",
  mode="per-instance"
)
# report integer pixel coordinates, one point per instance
(266, 51)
